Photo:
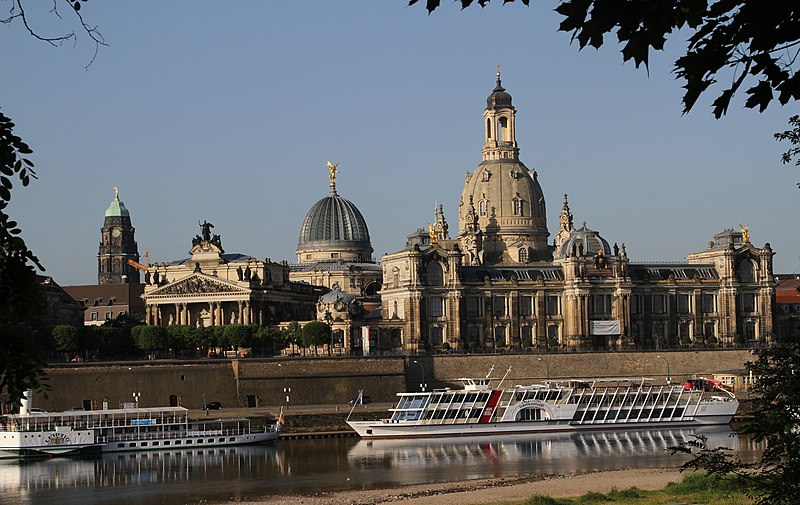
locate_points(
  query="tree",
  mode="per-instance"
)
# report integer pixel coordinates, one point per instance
(21, 297)
(65, 338)
(774, 421)
(293, 334)
(152, 338)
(316, 333)
(793, 136)
(756, 42)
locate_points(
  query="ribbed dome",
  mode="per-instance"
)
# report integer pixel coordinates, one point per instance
(117, 209)
(336, 295)
(334, 223)
(591, 241)
(499, 98)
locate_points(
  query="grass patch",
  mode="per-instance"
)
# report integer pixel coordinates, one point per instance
(694, 488)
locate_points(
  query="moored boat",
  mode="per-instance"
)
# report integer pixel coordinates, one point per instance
(565, 405)
(32, 434)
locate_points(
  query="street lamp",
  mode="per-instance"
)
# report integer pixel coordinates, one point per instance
(546, 364)
(422, 384)
(669, 375)
(286, 388)
(136, 393)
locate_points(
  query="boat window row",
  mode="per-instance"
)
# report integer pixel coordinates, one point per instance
(158, 443)
(659, 412)
(546, 395)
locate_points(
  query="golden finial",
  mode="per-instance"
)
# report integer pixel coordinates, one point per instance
(116, 192)
(745, 233)
(333, 173)
(498, 71)
(432, 233)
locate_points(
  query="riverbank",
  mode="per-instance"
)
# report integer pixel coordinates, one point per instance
(487, 491)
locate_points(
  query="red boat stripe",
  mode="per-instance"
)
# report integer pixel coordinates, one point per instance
(494, 398)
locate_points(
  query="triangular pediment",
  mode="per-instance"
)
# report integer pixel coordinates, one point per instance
(198, 283)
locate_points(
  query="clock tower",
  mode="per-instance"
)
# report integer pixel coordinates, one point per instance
(117, 246)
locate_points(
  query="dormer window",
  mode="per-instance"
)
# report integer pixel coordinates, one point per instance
(518, 206)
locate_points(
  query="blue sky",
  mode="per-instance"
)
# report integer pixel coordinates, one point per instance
(227, 112)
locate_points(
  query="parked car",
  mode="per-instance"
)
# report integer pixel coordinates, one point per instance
(361, 400)
(212, 406)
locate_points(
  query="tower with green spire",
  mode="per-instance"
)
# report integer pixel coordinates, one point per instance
(117, 246)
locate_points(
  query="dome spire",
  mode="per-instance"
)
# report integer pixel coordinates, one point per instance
(333, 171)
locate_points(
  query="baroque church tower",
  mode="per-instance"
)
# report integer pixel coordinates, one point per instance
(117, 246)
(503, 195)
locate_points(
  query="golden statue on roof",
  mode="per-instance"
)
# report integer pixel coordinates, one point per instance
(333, 167)
(745, 233)
(116, 192)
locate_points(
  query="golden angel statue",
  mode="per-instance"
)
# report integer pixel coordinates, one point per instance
(332, 167)
(745, 233)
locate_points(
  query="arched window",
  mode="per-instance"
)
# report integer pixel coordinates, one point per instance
(482, 207)
(517, 202)
(502, 130)
(747, 271)
(396, 277)
(435, 274)
(488, 129)
(523, 254)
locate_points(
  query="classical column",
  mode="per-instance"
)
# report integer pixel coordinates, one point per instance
(246, 312)
(220, 319)
(211, 313)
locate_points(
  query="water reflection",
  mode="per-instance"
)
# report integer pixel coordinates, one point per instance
(307, 466)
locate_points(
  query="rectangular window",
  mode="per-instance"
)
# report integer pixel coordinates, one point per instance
(553, 305)
(683, 303)
(659, 305)
(472, 306)
(525, 305)
(108, 316)
(500, 336)
(636, 304)
(527, 336)
(94, 316)
(435, 307)
(600, 304)
(499, 306)
(748, 301)
(708, 330)
(436, 336)
(635, 331)
(709, 303)
(749, 330)
(683, 330)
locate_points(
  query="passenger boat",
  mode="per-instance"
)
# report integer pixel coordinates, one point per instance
(568, 405)
(31, 434)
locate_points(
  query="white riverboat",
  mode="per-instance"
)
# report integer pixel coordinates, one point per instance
(32, 434)
(565, 405)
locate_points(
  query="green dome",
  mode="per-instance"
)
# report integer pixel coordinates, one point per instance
(117, 209)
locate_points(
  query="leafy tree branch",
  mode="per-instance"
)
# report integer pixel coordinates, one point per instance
(751, 40)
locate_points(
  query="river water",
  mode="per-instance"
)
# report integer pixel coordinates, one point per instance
(308, 466)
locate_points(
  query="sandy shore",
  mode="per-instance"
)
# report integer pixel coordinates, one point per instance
(487, 491)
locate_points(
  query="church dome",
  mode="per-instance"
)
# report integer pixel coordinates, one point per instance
(335, 225)
(336, 295)
(499, 98)
(585, 240)
(117, 209)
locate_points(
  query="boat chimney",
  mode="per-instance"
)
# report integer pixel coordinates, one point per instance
(26, 403)
(105, 403)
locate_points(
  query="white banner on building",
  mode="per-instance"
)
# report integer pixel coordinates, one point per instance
(365, 340)
(604, 328)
